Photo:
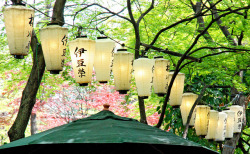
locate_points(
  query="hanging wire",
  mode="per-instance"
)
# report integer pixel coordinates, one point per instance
(96, 28)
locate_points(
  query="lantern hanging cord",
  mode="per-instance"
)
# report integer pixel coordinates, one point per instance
(80, 27)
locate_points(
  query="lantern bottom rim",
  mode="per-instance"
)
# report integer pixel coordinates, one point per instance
(19, 56)
(161, 94)
(103, 81)
(122, 91)
(83, 84)
(54, 72)
(143, 97)
(175, 106)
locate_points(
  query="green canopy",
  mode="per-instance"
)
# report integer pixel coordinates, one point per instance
(104, 132)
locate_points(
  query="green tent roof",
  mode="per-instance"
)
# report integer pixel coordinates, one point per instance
(108, 129)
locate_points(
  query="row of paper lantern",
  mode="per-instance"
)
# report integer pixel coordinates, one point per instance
(86, 54)
(212, 124)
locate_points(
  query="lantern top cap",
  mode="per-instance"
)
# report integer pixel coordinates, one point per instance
(157, 57)
(214, 111)
(202, 106)
(81, 36)
(122, 49)
(21, 7)
(143, 57)
(228, 111)
(102, 37)
(189, 93)
(53, 23)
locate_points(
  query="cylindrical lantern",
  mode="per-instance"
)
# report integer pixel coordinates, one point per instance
(238, 117)
(201, 119)
(122, 70)
(212, 124)
(161, 71)
(143, 71)
(175, 98)
(188, 100)
(18, 23)
(82, 52)
(230, 124)
(103, 58)
(221, 128)
(54, 41)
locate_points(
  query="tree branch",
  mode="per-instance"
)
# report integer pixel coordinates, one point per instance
(171, 52)
(146, 12)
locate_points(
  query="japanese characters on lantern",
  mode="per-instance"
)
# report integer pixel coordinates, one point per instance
(104, 53)
(221, 127)
(201, 119)
(18, 21)
(238, 117)
(161, 72)
(122, 70)
(230, 124)
(175, 98)
(188, 100)
(54, 41)
(82, 52)
(143, 72)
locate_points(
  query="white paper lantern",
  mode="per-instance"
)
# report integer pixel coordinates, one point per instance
(18, 21)
(212, 124)
(221, 127)
(175, 98)
(161, 71)
(82, 52)
(201, 119)
(143, 72)
(238, 117)
(122, 70)
(230, 124)
(188, 100)
(54, 42)
(103, 58)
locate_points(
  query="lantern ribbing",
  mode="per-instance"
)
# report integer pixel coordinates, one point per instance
(122, 70)
(143, 72)
(82, 52)
(201, 119)
(161, 71)
(19, 23)
(188, 100)
(103, 58)
(175, 97)
(54, 42)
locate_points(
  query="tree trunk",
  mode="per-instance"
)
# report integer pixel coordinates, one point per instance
(33, 127)
(28, 100)
(142, 110)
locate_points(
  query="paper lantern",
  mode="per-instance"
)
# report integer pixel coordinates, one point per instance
(221, 127)
(161, 71)
(175, 98)
(238, 116)
(143, 72)
(188, 100)
(54, 40)
(212, 124)
(82, 52)
(201, 119)
(103, 58)
(230, 124)
(122, 70)
(18, 21)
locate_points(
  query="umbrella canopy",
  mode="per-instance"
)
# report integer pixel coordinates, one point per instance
(104, 132)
